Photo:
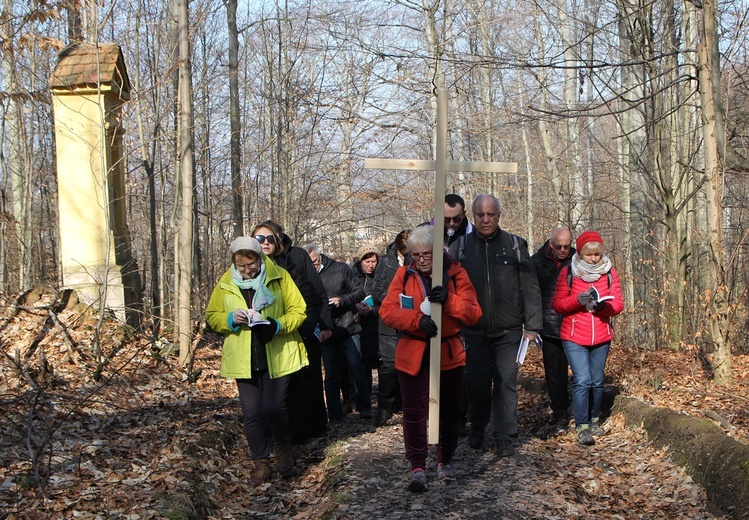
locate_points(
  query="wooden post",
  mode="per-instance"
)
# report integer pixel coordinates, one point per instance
(440, 166)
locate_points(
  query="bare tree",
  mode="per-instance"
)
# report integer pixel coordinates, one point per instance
(187, 169)
(718, 308)
(234, 118)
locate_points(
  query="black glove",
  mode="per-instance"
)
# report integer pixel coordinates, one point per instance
(438, 295)
(264, 333)
(584, 298)
(427, 325)
(595, 306)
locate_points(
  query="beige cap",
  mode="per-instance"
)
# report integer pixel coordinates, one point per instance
(246, 244)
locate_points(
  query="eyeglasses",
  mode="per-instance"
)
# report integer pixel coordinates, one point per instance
(457, 219)
(262, 238)
(249, 265)
(561, 246)
(422, 256)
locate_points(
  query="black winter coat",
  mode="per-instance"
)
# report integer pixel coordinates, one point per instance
(368, 322)
(341, 281)
(547, 271)
(297, 262)
(384, 274)
(507, 289)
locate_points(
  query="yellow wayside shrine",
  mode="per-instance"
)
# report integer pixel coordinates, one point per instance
(89, 86)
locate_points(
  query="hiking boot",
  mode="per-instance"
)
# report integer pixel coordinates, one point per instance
(285, 459)
(595, 427)
(365, 414)
(476, 437)
(418, 481)
(445, 473)
(584, 435)
(505, 448)
(346, 406)
(260, 473)
(561, 418)
(381, 416)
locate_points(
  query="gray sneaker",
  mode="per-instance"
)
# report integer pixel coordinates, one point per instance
(418, 481)
(595, 428)
(584, 435)
(445, 473)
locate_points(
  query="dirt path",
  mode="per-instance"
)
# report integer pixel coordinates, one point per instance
(620, 477)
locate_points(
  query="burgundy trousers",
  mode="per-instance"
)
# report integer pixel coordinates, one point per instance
(415, 395)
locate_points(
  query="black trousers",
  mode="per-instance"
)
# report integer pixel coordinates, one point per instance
(388, 394)
(491, 382)
(264, 411)
(557, 377)
(305, 401)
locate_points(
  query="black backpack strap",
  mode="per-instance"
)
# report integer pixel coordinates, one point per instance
(516, 247)
(405, 278)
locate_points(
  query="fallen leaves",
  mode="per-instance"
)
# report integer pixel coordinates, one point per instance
(144, 443)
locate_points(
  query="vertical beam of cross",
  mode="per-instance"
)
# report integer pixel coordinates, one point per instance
(440, 165)
(440, 182)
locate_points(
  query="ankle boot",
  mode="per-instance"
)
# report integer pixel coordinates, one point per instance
(284, 459)
(261, 472)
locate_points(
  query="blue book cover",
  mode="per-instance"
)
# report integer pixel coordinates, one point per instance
(407, 302)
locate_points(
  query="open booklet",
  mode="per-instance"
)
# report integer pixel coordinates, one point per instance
(598, 298)
(253, 318)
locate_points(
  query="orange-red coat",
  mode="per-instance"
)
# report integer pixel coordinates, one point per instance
(461, 309)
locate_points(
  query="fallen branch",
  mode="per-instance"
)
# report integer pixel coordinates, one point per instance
(719, 418)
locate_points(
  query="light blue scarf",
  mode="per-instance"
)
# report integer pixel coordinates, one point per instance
(263, 297)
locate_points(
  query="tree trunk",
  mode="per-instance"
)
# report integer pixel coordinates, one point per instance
(635, 161)
(14, 160)
(718, 308)
(575, 186)
(551, 161)
(186, 150)
(234, 120)
(148, 165)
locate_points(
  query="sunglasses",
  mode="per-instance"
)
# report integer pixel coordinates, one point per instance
(458, 219)
(262, 238)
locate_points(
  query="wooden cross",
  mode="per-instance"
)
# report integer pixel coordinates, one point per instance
(440, 166)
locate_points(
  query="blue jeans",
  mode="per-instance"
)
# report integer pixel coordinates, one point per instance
(330, 357)
(587, 365)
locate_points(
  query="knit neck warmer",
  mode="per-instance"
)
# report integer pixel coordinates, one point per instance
(590, 272)
(263, 297)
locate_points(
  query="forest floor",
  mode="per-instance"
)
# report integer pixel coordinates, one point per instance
(139, 438)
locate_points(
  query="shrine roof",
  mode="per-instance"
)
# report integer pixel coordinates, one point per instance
(91, 65)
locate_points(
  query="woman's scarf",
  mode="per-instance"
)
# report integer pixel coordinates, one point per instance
(590, 272)
(263, 297)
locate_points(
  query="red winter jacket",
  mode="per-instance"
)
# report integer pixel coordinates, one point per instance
(579, 325)
(460, 309)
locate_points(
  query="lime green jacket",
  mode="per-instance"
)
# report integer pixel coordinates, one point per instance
(286, 352)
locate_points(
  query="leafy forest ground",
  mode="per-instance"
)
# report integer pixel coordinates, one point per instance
(138, 437)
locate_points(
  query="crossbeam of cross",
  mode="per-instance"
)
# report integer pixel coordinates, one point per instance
(440, 166)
